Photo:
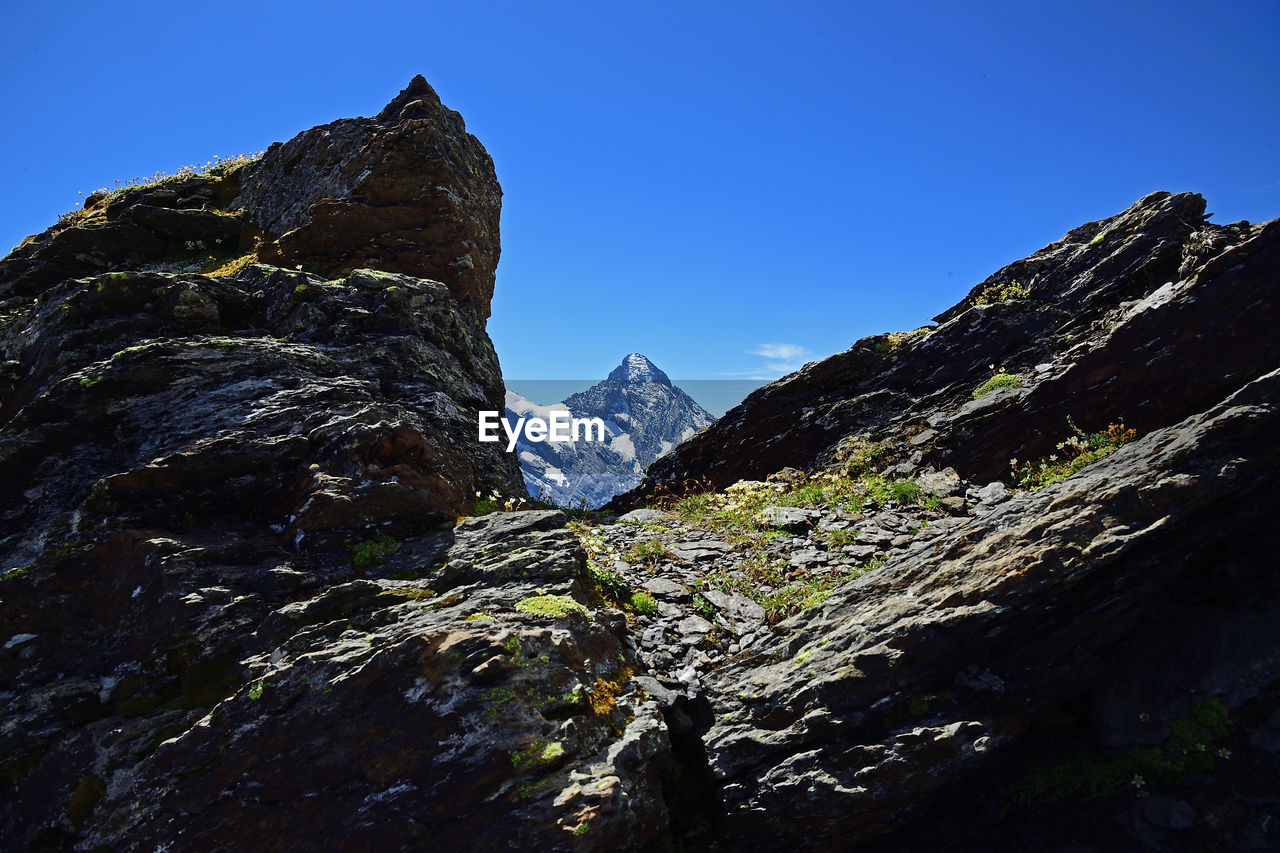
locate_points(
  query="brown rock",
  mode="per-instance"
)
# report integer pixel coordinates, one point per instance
(409, 191)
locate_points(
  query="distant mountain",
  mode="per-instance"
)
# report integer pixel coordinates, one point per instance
(645, 417)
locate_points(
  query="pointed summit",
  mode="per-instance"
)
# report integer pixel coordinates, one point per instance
(418, 91)
(636, 368)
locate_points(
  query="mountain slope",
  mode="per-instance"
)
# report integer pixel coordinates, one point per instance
(1093, 327)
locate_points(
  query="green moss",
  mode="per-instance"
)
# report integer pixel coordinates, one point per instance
(410, 594)
(643, 603)
(801, 658)
(255, 692)
(856, 455)
(90, 381)
(1000, 380)
(529, 787)
(537, 756)
(555, 606)
(496, 698)
(582, 828)
(15, 573)
(225, 269)
(373, 550)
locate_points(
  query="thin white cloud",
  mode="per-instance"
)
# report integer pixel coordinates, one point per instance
(781, 352)
(780, 359)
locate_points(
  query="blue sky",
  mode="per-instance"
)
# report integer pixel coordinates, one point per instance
(729, 188)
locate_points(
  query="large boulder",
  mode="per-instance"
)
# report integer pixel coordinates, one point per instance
(407, 191)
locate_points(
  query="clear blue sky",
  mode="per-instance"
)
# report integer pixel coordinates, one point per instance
(729, 188)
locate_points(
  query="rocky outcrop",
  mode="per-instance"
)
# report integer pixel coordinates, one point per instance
(1091, 328)
(409, 191)
(1091, 665)
(198, 444)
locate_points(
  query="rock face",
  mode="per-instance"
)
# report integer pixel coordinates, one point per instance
(1081, 609)
(424, 712)
(645, 417)
(198, 444)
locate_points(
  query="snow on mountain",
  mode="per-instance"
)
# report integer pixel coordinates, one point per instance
(645, 417)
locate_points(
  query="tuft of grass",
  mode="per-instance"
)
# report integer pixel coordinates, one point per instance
(609, 583)
(1077, 452)
(648, 551)
(554, 606)
(373, 550)
(231, 267)
(1000, 380)
(894, 340)
(643, 603)
(856, 455)
(997, 292)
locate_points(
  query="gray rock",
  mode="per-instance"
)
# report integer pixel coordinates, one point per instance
(664, 697)
(693, 625)
(942, 484)
(701, 551)
(789, 517)
(859, 552)
(806, 557)
(664, 588)
(993, 493)
(644, 516)
(931, 613)
(735, 605)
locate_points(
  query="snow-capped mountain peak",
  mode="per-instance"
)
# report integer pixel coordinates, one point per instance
(635, 368)
(645, 416)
